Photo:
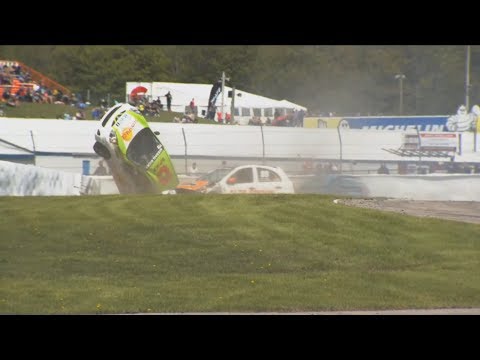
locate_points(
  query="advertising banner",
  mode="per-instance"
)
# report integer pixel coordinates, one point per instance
(445, 141)
(461, 121)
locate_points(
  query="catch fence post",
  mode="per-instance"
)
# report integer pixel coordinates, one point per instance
(185, 142)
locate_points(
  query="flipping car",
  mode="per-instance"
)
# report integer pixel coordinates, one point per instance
(137, 159)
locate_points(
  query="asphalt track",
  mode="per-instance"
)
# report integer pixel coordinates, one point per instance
(465, 211)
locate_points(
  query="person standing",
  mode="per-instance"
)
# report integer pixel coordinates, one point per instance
(383, 169)
(193, 168)
(169, 101)
(100, 170)
(192, 106)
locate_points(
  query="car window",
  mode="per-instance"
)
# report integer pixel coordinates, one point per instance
(215, 176)
(243, 176)
(143, 147)
(266, 175)
(109, 115)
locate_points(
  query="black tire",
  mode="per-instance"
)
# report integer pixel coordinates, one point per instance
(101, 150)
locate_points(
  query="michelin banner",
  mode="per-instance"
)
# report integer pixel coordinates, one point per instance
(461, 121)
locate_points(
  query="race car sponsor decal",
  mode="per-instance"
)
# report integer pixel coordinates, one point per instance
(157, 154)
(124, 118)
(127, 134)
(164, 174)
(127, 126)
(254, 191)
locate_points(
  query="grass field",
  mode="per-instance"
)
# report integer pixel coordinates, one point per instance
(52, 111)
(216, 253)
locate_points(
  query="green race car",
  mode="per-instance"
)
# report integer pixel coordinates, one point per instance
(137, 159)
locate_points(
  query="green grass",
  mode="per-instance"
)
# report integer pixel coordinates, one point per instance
(154, 253)
(52, 111)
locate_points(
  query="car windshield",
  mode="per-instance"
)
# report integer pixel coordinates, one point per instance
(144, 146)
(215, 176)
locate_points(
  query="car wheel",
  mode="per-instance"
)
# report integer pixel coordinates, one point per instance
(101, 150)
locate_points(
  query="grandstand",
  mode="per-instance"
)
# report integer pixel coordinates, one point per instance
(19, 82)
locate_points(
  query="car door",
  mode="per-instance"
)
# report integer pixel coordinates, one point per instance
(241, 181)
(269, 181)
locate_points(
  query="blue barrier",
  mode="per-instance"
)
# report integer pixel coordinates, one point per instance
(86, 167)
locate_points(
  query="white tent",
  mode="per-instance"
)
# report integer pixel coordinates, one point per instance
(246, 104)
(288, 104)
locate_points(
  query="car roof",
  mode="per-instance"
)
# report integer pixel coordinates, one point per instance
(263, 166)
(115, 110)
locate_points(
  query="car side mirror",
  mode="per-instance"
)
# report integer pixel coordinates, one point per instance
(156, 132)
(232, 181)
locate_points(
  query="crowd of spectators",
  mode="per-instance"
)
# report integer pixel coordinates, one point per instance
(147, 106)
(17, 86)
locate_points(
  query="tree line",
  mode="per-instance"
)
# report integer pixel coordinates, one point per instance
(340, 79)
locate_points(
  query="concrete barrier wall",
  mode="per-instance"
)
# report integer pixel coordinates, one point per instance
(29, 180)
(441, 187)
(77, 137)
(26, 180)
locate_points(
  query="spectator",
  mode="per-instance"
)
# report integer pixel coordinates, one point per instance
(74, 99)
(28, 96)
(100, 170)
(79, 115)
(193, 168)
(257, 120)
(308, 166)
(383, 169)
(188, 118)
(97, 113)
(333, 169)
(158, 104)
(169, 101)
(211, 112)
(6, 95)
(192, 105)
(300, 117)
